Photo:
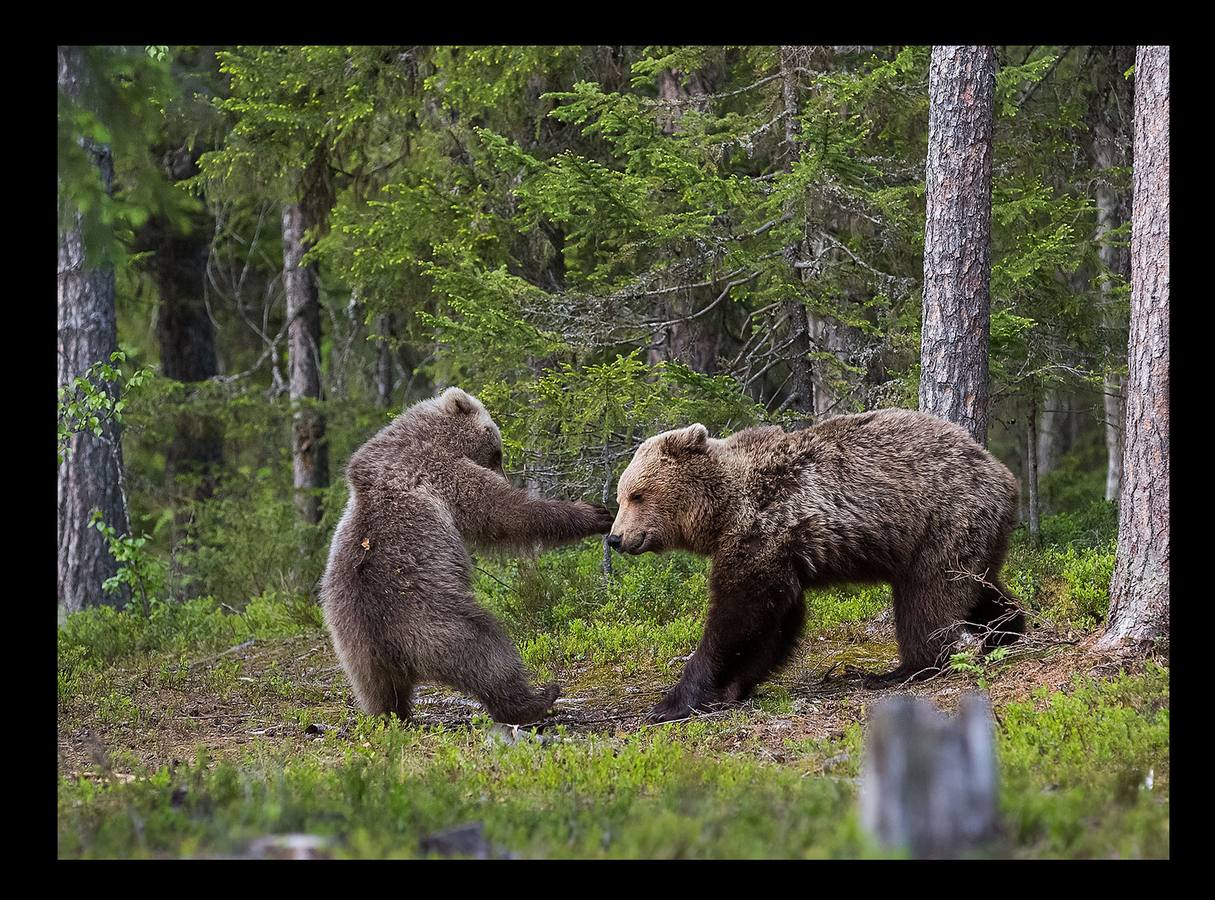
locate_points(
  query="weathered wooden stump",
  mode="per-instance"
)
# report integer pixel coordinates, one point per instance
(928, 783)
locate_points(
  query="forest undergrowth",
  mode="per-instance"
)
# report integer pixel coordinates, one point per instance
(203, 729)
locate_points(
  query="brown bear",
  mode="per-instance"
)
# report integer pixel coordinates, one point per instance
(396, 592)
(891, 495)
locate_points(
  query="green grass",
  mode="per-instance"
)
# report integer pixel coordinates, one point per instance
(378, 792)
(1076, 765)
(206, 750)
(1073, 767)
(1066, 580)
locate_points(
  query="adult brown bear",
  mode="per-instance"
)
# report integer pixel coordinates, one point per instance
(891, 495)
(396, 593)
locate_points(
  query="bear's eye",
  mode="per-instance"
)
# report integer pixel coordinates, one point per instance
(635, 497)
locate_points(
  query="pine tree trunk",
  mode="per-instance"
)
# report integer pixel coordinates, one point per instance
(89, 478)
(383, 362)
(308, 451)
(1110, 147)
(1052, 430)
(694, 343)
(801, 382)
(957, 237)
(1139, 590)
(1031, 469)
(185, 334)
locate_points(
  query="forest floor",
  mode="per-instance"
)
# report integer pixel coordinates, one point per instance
(257, 750)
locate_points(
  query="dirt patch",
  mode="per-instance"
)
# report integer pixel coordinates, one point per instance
(291, 691)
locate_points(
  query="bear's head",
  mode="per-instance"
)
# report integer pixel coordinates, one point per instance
(670, 494)
(457, 422)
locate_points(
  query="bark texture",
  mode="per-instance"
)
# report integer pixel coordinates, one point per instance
(1111, 141)
(384, 374)
(309, 454)
(957, 237)
(185, 333)
(90, 477)
(801, 381)
(693, 342)
(1139, 590)
(1032, 452)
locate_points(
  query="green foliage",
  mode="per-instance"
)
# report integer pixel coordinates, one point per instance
(122, 95)
(1067, 580)
(1085, 773)
(1094, 525)
(561, 608)
(90, 401)
(247, 542)
(140, 573)
(92, 638)
(1077, 484)
(831, 608)
(978, 664)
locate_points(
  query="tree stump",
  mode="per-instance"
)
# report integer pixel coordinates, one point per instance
(929, 782)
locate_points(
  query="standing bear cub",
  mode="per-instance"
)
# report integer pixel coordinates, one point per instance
(396, 593)
(892, 495)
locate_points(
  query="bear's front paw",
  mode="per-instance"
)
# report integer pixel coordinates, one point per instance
(671, 708)
(599, 518)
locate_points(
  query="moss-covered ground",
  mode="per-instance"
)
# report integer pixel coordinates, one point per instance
(210, 730)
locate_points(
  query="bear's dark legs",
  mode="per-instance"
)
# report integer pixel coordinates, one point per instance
(928, 618)
(380, 690)
(771, 656)
(924, 617)
(474, 655)
(749, 630)
(996, 616)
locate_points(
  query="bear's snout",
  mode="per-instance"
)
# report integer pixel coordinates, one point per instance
(614, 541)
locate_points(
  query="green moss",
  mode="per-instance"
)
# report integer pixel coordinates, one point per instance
(1076, 768)
(747, 783)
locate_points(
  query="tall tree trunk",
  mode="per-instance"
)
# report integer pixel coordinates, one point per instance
(308, 449)
(1110, 146)
(90, 477)
(185, 334)
(694, 343)
(1031, 467)
(384, 374)
(1052, 428)
(801, 382)
(1139, 590)
(957, 237)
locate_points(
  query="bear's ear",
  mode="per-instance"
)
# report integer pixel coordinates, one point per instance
(693, 439)
(456, 401)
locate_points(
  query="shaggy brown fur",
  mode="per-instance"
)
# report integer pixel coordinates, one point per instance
(892, 495)
(396, 591)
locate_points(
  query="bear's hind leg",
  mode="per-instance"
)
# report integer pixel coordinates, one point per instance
(924, 627)
(473, 654)
(996, 616)
(381, 689)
